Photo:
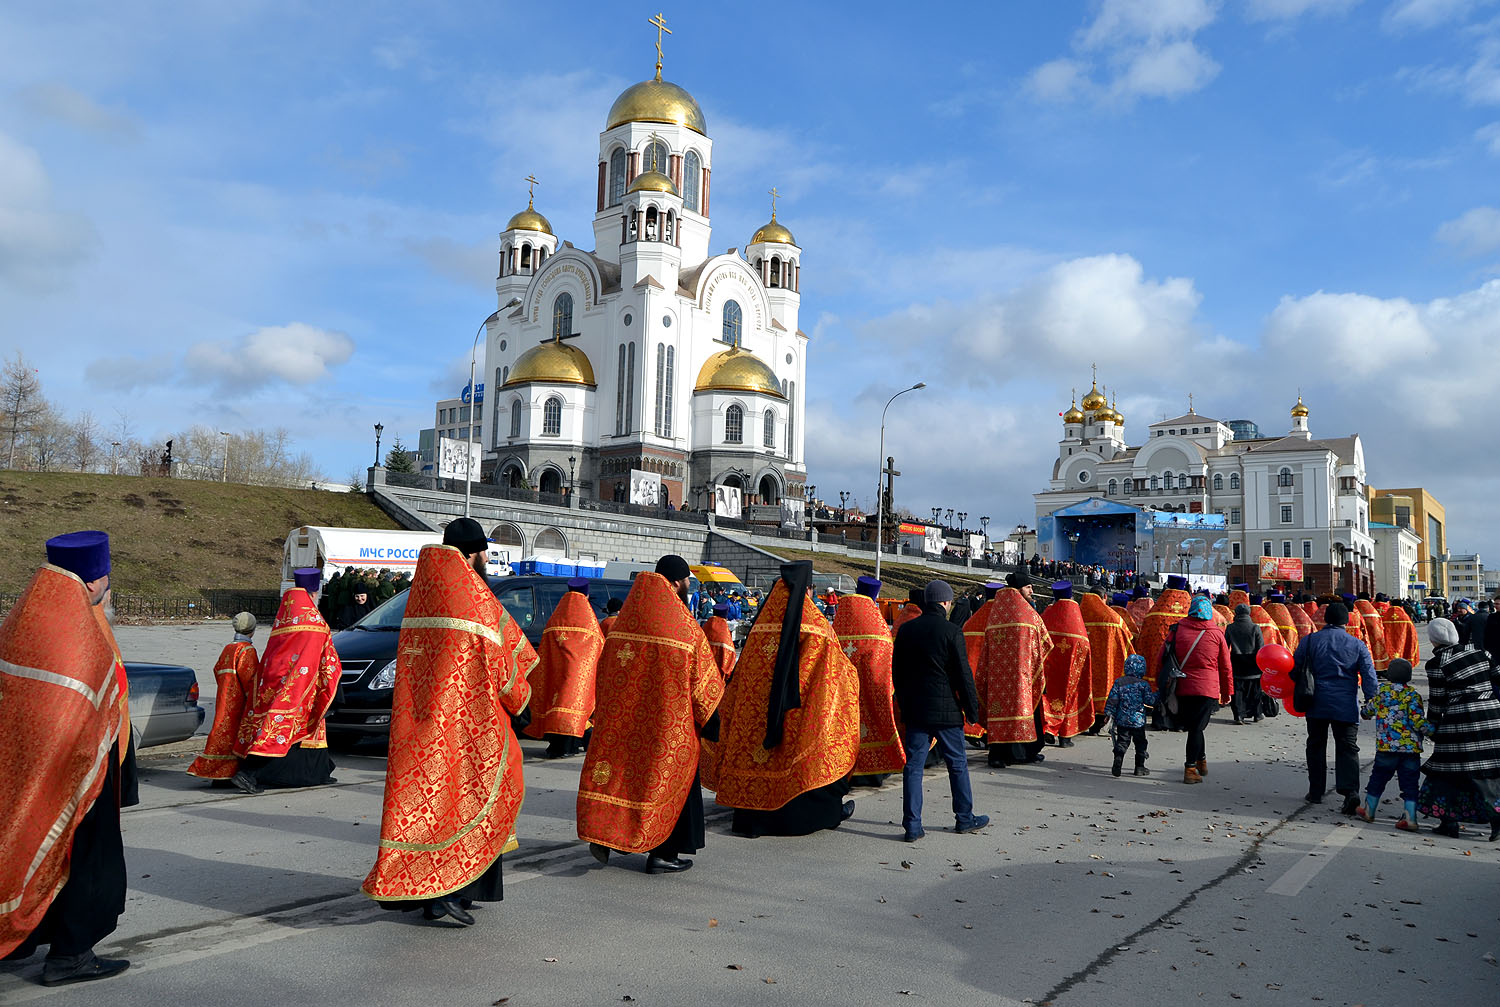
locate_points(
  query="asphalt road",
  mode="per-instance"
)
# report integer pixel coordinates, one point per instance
(1084, 889)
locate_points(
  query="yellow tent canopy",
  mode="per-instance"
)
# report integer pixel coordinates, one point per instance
(710, 574)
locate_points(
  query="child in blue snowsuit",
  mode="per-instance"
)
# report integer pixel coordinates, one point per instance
(1129, 699)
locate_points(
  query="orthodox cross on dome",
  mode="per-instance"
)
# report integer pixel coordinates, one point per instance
(775, 195)
(1094, 374)
(660, 21)
(1190, 404)
(656, 142)
(531, 191)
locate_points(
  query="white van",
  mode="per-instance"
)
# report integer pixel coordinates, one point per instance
(335, 549)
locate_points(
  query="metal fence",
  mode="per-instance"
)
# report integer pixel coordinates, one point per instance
(210, 604)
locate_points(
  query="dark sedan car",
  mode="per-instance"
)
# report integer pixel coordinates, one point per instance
(367, 649)
(163, 703)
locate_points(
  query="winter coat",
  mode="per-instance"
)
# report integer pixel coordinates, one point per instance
(1208, 670)
(1340, 666)
(1245, 640)
(930, 671)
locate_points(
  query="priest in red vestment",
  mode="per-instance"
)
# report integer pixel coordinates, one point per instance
(1171, 607)
(1009, 680)
(658, 689)
(1400, 634)
(62, 689)
(1239, 595)
(234, 679)
(1068, 669)
(1139, 607)
(282, 740)
(1269, 633)
(611, 612)
(721, 639)
(1374, 630)
(791, 736)
(862, 633)
(1119, 603)
(1109, 645)
(453, 783)
(1301, 620)
(1276, 607)
(562, 686)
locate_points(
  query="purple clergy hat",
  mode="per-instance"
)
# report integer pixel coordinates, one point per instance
(308, 578)
(867, 586)
(579, 584)
(1176, 583)
(1062, 590)
(85, 553)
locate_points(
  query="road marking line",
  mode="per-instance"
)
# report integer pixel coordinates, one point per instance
(1304, 870)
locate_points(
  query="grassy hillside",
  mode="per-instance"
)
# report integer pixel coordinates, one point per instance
(170, 537)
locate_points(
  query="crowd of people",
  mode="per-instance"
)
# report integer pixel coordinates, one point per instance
(352, 594)
(663, 705)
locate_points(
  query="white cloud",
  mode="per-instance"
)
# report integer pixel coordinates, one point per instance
(1473, 233)
(1490, 137)
(59, 101)
(1132, 49)
(1423, 14)
(1285, 10)
(1477, 80)
(37, 242)
(296, 354)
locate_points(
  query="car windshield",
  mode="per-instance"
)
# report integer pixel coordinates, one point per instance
(387, 616)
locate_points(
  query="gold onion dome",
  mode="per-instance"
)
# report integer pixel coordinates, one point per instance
(652, 181)
(1114, 410)
(1074, 414)
(553, 362)
(1299, 409)
(773, 231)
(529, 220)
(1094, 400)
(657, 100)
(737, 370)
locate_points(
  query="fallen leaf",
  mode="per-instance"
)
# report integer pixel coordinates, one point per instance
(713, 922)
(769, 980)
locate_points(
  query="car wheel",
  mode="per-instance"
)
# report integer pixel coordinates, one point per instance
(343, 741)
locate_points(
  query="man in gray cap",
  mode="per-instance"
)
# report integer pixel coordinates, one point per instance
(935, 692)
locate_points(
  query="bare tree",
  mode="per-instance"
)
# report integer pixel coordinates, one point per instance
(86, 448)
(49, 443)
(21, 398)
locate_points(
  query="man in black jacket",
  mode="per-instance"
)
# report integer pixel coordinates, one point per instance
(935, 692)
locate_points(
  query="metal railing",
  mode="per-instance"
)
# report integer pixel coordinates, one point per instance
(210, 604)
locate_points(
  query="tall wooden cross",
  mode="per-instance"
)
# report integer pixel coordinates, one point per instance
(890, 474)
(531, 191)
(660, 22)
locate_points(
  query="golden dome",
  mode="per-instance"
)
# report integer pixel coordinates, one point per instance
(529, 220)
(652, 181)
(553, 362)
(737, 370)
(1114, 409)
(1074, 414)
(1094, 400)
(1299, 410)
(656, 101)
(773, 231)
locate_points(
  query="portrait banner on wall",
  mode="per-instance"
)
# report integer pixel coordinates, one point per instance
(729, 501)
(1281, 568)
(645, 488)
(450, 458)
(792, 514)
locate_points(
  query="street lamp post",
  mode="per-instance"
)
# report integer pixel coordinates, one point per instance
(114, 458)
(879, 463)
(224, 475)
(572, 459)
(843, 505)
(379, 428)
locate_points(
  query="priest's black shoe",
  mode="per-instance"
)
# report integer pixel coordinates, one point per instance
(661, 865)
(61, 972)
(438, 908)
(247, 783)
(601, 853)
(848, 809)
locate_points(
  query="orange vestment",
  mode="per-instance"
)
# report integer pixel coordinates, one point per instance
(1124, 614)
(1269, 634)
(1170, 608)
(562, 686)
(820, 737)
(1301, 621)
(1400, 634)
(1281, 616)
(1009, 680)
(453, 783)
(607, 623)
(1223, 616)
(234, 674)
(60, 696)
(722, 641)
(1138, 609)
(658, 684)
(1068, 671)
(1237, 598)
(1374, 627)
(1109, 646)
(863, 635)
(299, 673)
(974, 647)
(908, 612)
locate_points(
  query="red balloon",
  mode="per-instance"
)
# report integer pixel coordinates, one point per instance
(1277, 684)
(1286, 704)
(1274, 657)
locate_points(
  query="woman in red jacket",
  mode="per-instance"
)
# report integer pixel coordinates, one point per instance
(1208, 681)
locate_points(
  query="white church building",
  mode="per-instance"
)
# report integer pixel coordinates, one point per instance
(649, 352)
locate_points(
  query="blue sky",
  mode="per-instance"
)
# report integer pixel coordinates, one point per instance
(263, 213)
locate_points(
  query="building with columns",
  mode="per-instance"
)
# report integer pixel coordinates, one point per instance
(1193, 498)
(649, 351)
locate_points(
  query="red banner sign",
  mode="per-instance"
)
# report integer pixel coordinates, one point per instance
(1280, 568)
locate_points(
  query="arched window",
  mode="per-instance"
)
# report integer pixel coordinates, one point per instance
(1155, 482)
(526, 256)
(1166, 480)
(666, 418)
(692, 179)
(495, 413)
(617, 176)
(550, 539)
(789, 389)
(515, 418)
(734, 425)
(1182, 481)
(629, 387)
(562, 315)
(620, 394)
(508, 534)
(1113, 486)
(654, 158)
(733, 318)
(775, 270)
(1234, 480)
(1218, 480)
(1284, 477)
(670, 234)
(550, 481)
(768, 436)
(663, 421)
(552, 418)
(651, 231)
(769, 491)
(504, 258)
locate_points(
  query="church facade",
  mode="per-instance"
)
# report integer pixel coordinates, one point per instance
(649, 352)
(1227, 502)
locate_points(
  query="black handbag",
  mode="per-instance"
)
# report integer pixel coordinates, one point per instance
(1304, 688)
(1268, 706)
